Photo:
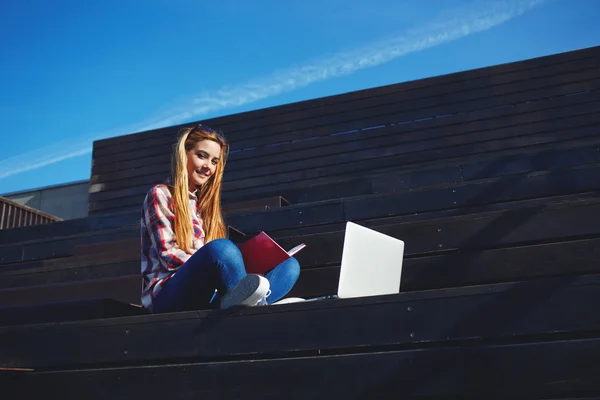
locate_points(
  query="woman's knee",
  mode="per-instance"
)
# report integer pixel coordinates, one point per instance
(292, 268)
(224, 251)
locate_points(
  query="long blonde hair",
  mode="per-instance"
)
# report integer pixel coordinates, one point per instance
(209, 194)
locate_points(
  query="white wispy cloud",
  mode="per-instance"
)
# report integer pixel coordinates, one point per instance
(477, 17)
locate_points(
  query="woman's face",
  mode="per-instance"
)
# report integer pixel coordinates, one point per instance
(202, 162)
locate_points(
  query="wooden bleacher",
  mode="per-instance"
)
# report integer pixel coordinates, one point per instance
(490, 176)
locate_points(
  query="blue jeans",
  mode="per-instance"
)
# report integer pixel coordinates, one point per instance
(217, 265)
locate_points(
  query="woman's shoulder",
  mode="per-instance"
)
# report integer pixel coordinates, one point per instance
(158, 192)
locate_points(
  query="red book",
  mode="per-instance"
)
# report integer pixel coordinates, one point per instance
(261, 253)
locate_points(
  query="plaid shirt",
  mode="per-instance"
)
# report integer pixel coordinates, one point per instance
(161, 257)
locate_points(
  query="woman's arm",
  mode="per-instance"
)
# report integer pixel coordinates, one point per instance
(159, 218)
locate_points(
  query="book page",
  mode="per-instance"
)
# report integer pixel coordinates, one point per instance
(296, 249)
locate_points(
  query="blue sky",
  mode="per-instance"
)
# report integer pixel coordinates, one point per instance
(73, 71)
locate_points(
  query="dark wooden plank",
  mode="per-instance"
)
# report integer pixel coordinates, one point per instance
(10, 254)
(424, 149)
(75, 268)
(516, 223)
(517, 371)
(371, 152)
(235, 235)
(33, 235)
(67, 311)
(500, 265)
(55, 229)
(83, 226)
(334, 173)
(126, 289)
(52, 247)
(398, 116)
(118, 230)
(504, 189)
(73, 274)
(416, 107)
(519, 224)
(468, 122)
(457, 214)
(301, 227)
(232, 173)
(438, 270)
(37, 248)
(379, 159)
(434, 235)
(468, 81)
(153, 159)
(489, 313)
(13, 383)
(577, 198)
(126, 246)
(472, 267)
(120, 219)
(487, 167)
(422, 152)
(477, 105)
(110, 254)
(267, 203)
(263, 117)
(362, 182)
(80, 229)
(46, 250)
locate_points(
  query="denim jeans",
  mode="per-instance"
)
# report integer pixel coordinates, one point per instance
(217, 265)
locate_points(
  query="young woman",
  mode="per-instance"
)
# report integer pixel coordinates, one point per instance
(187, 262)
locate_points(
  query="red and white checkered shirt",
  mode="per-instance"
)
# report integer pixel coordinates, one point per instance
(161, 257)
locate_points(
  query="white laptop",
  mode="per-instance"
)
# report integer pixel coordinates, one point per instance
(371, 265)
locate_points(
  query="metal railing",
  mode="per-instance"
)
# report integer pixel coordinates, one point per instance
(15, 215)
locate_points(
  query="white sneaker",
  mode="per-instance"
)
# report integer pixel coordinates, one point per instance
(252, 290)
(263, 301)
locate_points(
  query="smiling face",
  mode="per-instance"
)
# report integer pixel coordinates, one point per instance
(202, 160)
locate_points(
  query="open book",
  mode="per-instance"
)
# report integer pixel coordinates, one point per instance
(261, 253)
